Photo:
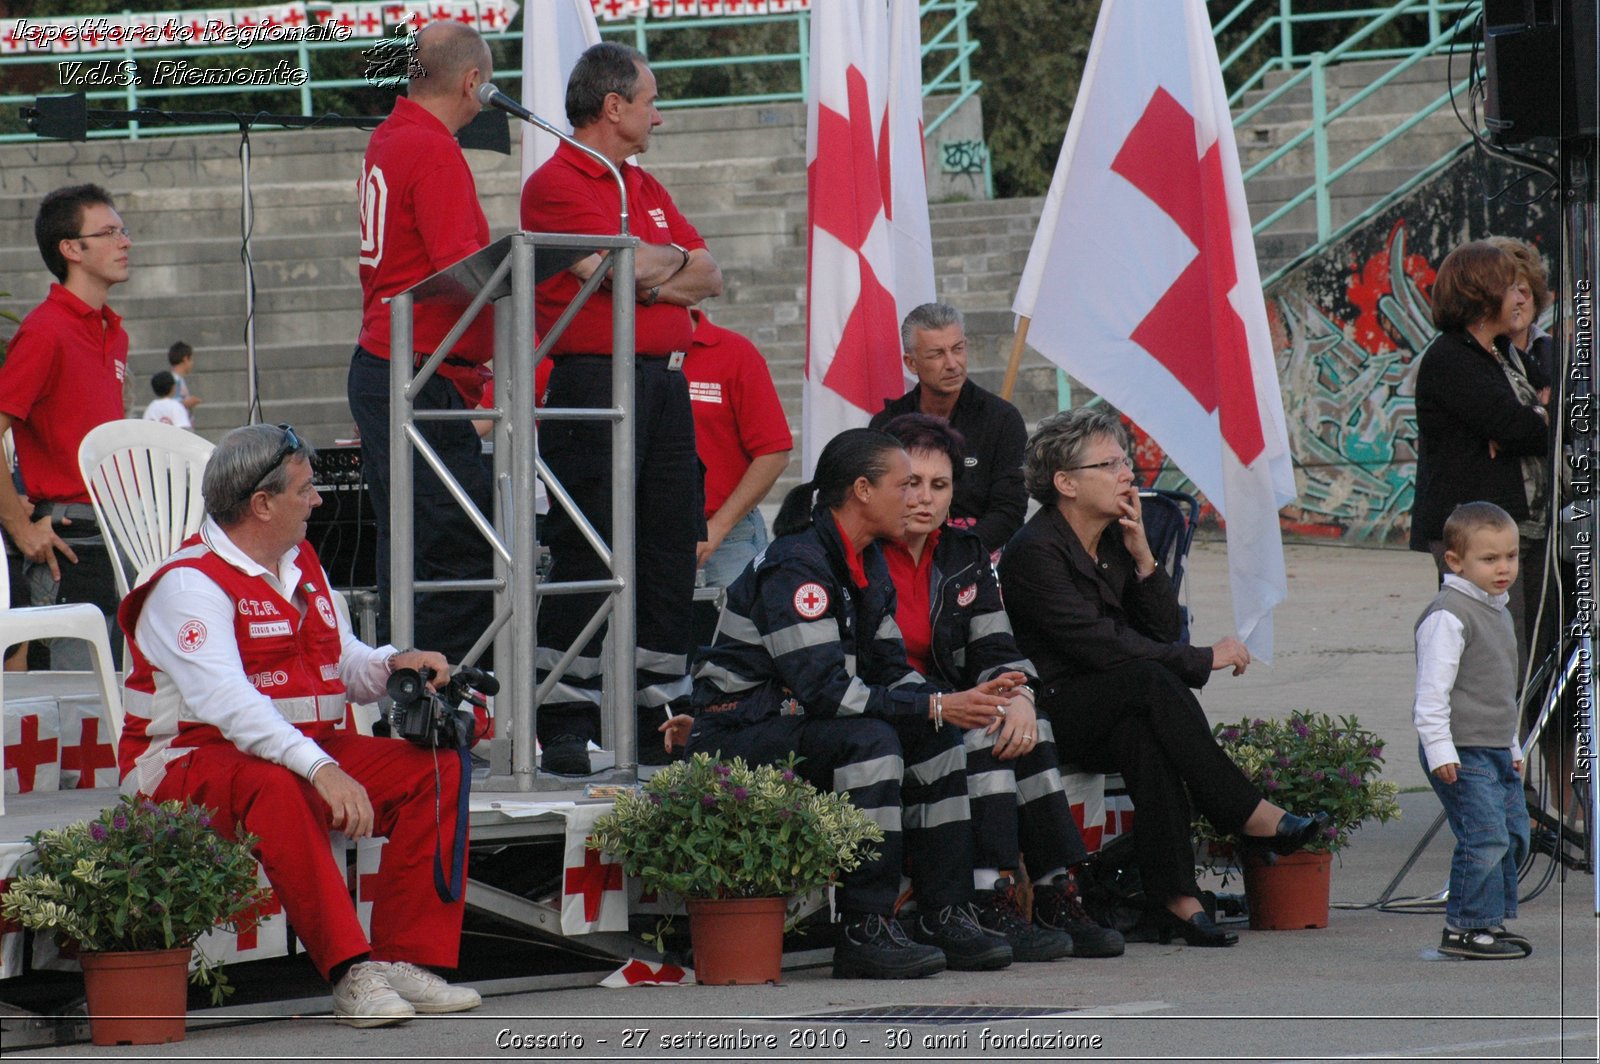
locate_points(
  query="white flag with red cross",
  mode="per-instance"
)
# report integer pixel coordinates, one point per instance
(32, 737)
(869, 252)
(592, 892)
(1142, 281)
(648, 973)
(555, 33)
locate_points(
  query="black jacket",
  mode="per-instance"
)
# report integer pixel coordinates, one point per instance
(1463, 402)
(797, 635)
(989, 490)
(1074, 617)
(972, 639)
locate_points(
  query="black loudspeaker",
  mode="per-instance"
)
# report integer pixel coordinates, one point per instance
(1540, 57)
(343, 529)
(59, 117)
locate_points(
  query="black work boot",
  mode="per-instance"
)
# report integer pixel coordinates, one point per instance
(875, 947)
(999, 912)
(967, 946)
(1058, 906)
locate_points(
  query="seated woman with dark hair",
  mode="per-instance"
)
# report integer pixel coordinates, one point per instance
(1094, 610)
(957, 635)
(808, 661)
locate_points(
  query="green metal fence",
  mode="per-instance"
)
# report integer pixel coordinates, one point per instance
(947, 50)
(1306, 73)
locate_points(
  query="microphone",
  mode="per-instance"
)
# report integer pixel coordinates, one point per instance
(490, 96)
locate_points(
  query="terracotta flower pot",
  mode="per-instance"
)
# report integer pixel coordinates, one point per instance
(737, 941)
(138, 998)
(1290, 895)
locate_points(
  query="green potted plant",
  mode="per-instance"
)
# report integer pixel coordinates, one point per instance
(736, 843)
(133, 889)
(1304, 763)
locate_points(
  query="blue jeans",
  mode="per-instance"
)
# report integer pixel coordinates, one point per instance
(738, 549)
(1489, 816)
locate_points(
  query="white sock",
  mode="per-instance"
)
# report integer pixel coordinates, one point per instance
(984, 878)
(1052, 875)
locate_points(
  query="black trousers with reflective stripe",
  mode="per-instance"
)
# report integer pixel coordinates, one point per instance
(669, 507)
(1020, 804)
(927, 797)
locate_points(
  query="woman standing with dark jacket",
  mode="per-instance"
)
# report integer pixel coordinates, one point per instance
(1482, 433)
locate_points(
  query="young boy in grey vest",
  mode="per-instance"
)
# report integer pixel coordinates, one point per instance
(1466, 717)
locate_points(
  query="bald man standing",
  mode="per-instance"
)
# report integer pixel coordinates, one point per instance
(420, 214)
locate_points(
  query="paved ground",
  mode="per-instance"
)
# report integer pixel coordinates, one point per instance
(1369, 986)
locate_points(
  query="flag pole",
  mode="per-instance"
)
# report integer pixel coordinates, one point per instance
(1017, 343)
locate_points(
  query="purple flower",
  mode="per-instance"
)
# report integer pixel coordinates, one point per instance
(740, 794)
(1300, 729)
(1271, 785)
(1230, 734)
(119, 820)
(724, 771)
(1258, 724)
(709, 801)
(1375, 751)
(655, 799)
(97, 832)
(1283, 760)
(788, 775)
(205, 821)
(1319, 775)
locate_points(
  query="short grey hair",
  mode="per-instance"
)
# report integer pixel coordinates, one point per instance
(445, 51)
(235, 467)
(1060, 442)
(930, 317)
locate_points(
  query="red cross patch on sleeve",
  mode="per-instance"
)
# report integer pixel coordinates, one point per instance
(811, 600)
(967, 595)
(191, 637)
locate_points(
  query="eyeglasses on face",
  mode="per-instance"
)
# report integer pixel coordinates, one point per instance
(110, 232)
(291, 443)
(1110, 465)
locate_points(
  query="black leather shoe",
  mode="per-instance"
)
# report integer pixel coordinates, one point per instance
(1000, 913)
(566, 755)
(1294, 833)
(875, 947)
(1198, 930)
(967, 946)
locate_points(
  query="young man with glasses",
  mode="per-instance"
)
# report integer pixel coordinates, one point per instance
(242, 663)
(989, 499)
(63, 375)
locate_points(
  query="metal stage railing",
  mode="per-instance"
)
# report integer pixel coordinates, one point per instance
(504, 274)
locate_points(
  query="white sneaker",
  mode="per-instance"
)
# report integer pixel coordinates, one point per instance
(364, 998)
(426, 991)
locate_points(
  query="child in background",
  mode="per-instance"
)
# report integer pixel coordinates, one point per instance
(167, 408)
(1466, 717)
(180, 356)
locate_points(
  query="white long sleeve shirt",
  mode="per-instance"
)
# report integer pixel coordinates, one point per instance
(211, 679)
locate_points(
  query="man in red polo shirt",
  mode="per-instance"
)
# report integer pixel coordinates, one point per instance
(62, 376)
(420, 214)
(611, 103)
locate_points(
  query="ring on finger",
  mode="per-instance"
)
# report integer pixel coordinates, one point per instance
(1000, 711)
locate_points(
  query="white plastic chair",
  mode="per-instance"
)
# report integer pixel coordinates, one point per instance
(144, 480)
(73, 621)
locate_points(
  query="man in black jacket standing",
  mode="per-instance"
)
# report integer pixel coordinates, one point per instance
(990, 498)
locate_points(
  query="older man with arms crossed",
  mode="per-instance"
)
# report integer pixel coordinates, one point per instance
(611, 103)
(241, 669)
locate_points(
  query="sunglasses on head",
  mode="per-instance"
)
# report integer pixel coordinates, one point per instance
(291, 443)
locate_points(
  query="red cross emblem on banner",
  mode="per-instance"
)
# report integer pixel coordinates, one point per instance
(29, 752)
(592, 881)
(88, 754)
(851, 174)
(1193, 330)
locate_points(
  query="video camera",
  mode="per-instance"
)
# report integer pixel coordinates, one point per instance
(430, 718)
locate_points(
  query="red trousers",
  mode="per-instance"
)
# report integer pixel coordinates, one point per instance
(409, 921)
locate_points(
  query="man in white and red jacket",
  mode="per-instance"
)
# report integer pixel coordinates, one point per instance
(241, 668)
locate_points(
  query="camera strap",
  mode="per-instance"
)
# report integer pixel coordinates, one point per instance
(449, 890)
